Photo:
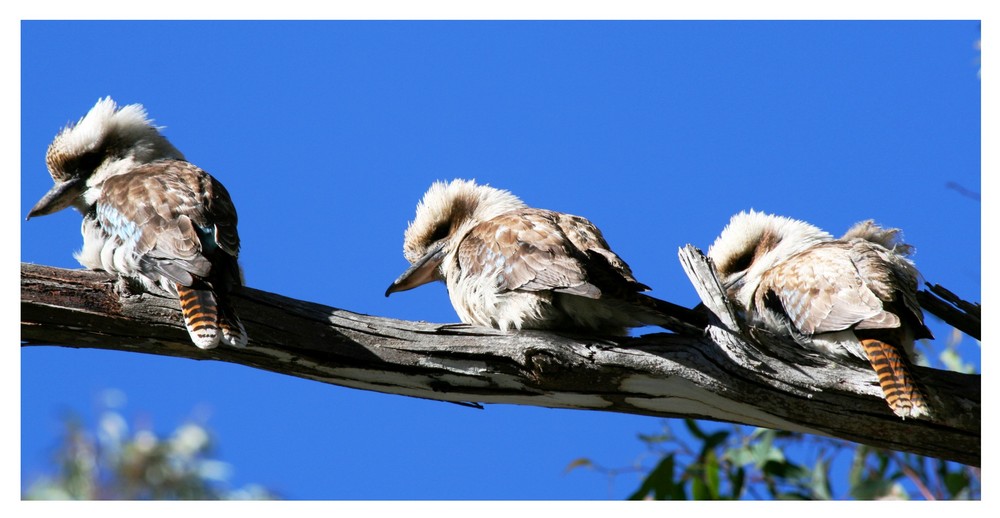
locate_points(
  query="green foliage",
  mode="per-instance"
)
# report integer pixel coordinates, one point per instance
(951, 359)
(660, 483)
(731, 462)
(739, 463)
(112, 463)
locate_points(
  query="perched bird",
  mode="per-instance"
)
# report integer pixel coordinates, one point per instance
(848, 297)
(507, 266)
(149, 215)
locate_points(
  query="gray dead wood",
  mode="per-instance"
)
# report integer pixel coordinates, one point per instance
(715, 376)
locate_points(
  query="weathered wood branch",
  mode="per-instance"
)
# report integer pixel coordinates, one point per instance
(717, 376)
(962, 315)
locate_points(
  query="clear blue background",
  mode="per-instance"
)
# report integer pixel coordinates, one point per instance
(327, 134)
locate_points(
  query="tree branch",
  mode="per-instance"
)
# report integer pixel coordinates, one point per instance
(717, 376)
(962, 315)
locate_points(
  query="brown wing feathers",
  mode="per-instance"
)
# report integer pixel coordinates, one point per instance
(188, 235)
(527, 251)
(541, 250)
(836, 286)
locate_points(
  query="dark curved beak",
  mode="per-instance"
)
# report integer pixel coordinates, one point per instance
(421, 272)
(734, 282)
(60, 196)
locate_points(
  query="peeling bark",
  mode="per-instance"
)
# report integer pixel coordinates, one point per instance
(717, 376)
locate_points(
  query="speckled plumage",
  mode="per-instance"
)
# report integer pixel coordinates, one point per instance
(509, 266)
(149, 215)
(853, 296)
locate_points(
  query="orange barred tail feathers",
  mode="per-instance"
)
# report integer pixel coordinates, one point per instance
(201, 315)
(901, 392)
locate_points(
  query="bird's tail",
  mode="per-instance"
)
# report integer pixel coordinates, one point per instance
(671, 316)
(233, 333)
(894, 375)
(210, 318)
(201, 315)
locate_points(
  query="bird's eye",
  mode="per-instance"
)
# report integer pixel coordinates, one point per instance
(88, 162)
(740, 263)
(440, 232)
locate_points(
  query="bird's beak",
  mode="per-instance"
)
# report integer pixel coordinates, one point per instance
(421, 272)
(735, 282)
(60, 196)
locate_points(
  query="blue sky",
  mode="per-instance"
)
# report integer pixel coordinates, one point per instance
(326, 134)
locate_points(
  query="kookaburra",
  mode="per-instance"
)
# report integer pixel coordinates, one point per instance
(149, 215)
(509, 266)
(853, 296)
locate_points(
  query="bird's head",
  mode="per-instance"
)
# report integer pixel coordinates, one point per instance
(754, 242)
(109, 140)
(446, 213)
